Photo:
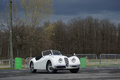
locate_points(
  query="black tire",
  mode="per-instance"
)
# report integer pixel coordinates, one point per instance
(74, 70)
(49, 68)
(32, 67)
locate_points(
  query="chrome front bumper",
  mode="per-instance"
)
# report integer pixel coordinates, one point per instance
(66, 67)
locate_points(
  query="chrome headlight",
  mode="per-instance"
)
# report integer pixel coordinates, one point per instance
(60, 60)
(73, 60)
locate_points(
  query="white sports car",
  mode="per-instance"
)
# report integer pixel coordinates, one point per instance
(53, 60)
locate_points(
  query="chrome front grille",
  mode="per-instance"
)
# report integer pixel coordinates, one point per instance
(66, 61)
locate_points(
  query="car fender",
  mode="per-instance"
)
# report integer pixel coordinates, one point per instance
(77, 62)
(52, 60)
(32, 60)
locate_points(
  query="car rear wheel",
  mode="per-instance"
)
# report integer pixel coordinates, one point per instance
(74, 70)
(49, 68)
(32, 68)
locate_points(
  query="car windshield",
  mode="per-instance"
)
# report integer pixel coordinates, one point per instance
(55, 52)
(47, 52)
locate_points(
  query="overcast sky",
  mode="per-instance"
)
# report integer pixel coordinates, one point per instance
(68, 9)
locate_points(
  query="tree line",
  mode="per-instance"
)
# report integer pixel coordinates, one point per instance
(79, 35)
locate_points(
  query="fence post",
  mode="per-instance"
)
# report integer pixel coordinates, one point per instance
(9, 62)
(100, 60)
(2, 62)
(96, 61)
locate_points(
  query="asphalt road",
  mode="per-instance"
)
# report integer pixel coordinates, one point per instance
(83, 74)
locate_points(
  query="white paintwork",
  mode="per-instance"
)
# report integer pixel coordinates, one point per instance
(41, 63)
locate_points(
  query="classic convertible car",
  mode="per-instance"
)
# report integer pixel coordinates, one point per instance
(53, 60)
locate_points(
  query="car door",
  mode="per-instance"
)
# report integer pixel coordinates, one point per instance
(41, 64)
(37, 63)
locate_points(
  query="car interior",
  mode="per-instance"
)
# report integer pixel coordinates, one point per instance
(38, 57)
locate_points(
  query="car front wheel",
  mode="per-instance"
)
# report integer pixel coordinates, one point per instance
(74, 70)
(32, 68)
(49, 68)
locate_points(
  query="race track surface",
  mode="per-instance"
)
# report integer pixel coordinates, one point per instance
(83, 74)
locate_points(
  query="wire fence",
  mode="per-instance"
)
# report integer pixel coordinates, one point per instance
(91, 59)
(110, 60)
(6, 63)
(105, 61)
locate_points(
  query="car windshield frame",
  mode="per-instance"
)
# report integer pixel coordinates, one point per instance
(56, 52)
(51, 52)
(46, 52)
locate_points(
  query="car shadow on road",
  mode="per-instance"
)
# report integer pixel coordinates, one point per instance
(58, 72)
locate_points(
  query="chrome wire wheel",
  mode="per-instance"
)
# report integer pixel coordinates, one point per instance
(49, 68)
(32, 68)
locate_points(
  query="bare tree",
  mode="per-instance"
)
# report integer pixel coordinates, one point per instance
(37, 10)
